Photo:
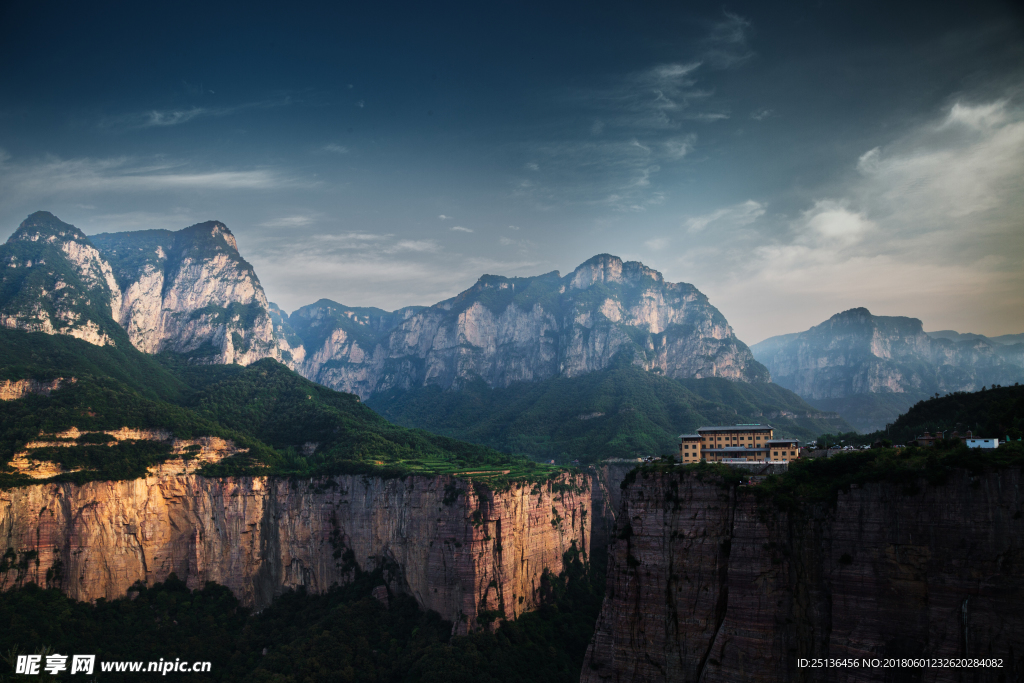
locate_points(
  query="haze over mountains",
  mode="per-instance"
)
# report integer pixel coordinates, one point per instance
(871, 368)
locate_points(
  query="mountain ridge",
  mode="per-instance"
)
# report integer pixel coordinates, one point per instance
(871, 368)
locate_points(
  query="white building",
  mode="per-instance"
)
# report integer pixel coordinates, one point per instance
(983, 443)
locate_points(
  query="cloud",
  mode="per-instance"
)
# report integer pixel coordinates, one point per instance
(979, 117)
(288, 222)
(53, 176)
(445, 218)
(834, 223)
(162, 118)
(657, 244)
(733, 216)
(727, 44)
(459, 228)
(337, 149)
(531, 166)
(421, 246)
(174, 117)
(677, 148)
(927, 225)
(361, 103)
(761, 114)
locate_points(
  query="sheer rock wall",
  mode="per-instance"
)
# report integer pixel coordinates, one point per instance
(706, 585)
(456, 546)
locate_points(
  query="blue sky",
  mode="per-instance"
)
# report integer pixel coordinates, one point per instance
(791, 162)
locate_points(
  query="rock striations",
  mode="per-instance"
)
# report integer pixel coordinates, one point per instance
(705, 584)
(460, 548)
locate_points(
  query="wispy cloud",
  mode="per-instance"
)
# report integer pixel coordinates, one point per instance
(445, 218)
(55, 177)
(727, 44)
(336, 149)
(289, 222)
(161, 118)
(459, 228)
(174, 117)
(732, 216)
(421, 246)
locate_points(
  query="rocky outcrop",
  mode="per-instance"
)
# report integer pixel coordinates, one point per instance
(191, 454)
(507, 330)
(839, 364)
(706, 584)
(12, 390)
(190, 292)
(460, 548)
(53, 280)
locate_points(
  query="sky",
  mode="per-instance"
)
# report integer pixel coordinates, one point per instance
(791, 160)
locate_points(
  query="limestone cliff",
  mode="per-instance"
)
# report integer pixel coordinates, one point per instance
(704, 584)
(188, 291)
(458, 547)
(507, 330)
(53, 280)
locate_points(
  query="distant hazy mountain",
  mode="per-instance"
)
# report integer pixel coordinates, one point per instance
(952, 335)
(506, 330)
(188, 291)
(871, 368)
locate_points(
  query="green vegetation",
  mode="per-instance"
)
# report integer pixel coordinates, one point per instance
(620, 412)
(991, 413)
(289, 425)
(821, 479)
(342, 635)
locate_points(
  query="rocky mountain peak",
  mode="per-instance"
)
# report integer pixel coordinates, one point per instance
(210, 234)
(43, 225)
(609, 269)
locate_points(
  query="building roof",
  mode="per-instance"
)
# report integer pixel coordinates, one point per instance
(782, 441)
(738, 428)
(689, 436)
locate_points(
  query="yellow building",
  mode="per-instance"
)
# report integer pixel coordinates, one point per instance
(751, 442)
(689, 448)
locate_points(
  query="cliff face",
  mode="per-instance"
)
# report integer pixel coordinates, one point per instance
(53, 280)
(456, 546)
(703, 584)
(188, 291)
(507, 330)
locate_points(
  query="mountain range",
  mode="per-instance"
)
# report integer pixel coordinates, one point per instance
(191, 293)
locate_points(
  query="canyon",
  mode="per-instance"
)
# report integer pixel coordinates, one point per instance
(711, 583)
